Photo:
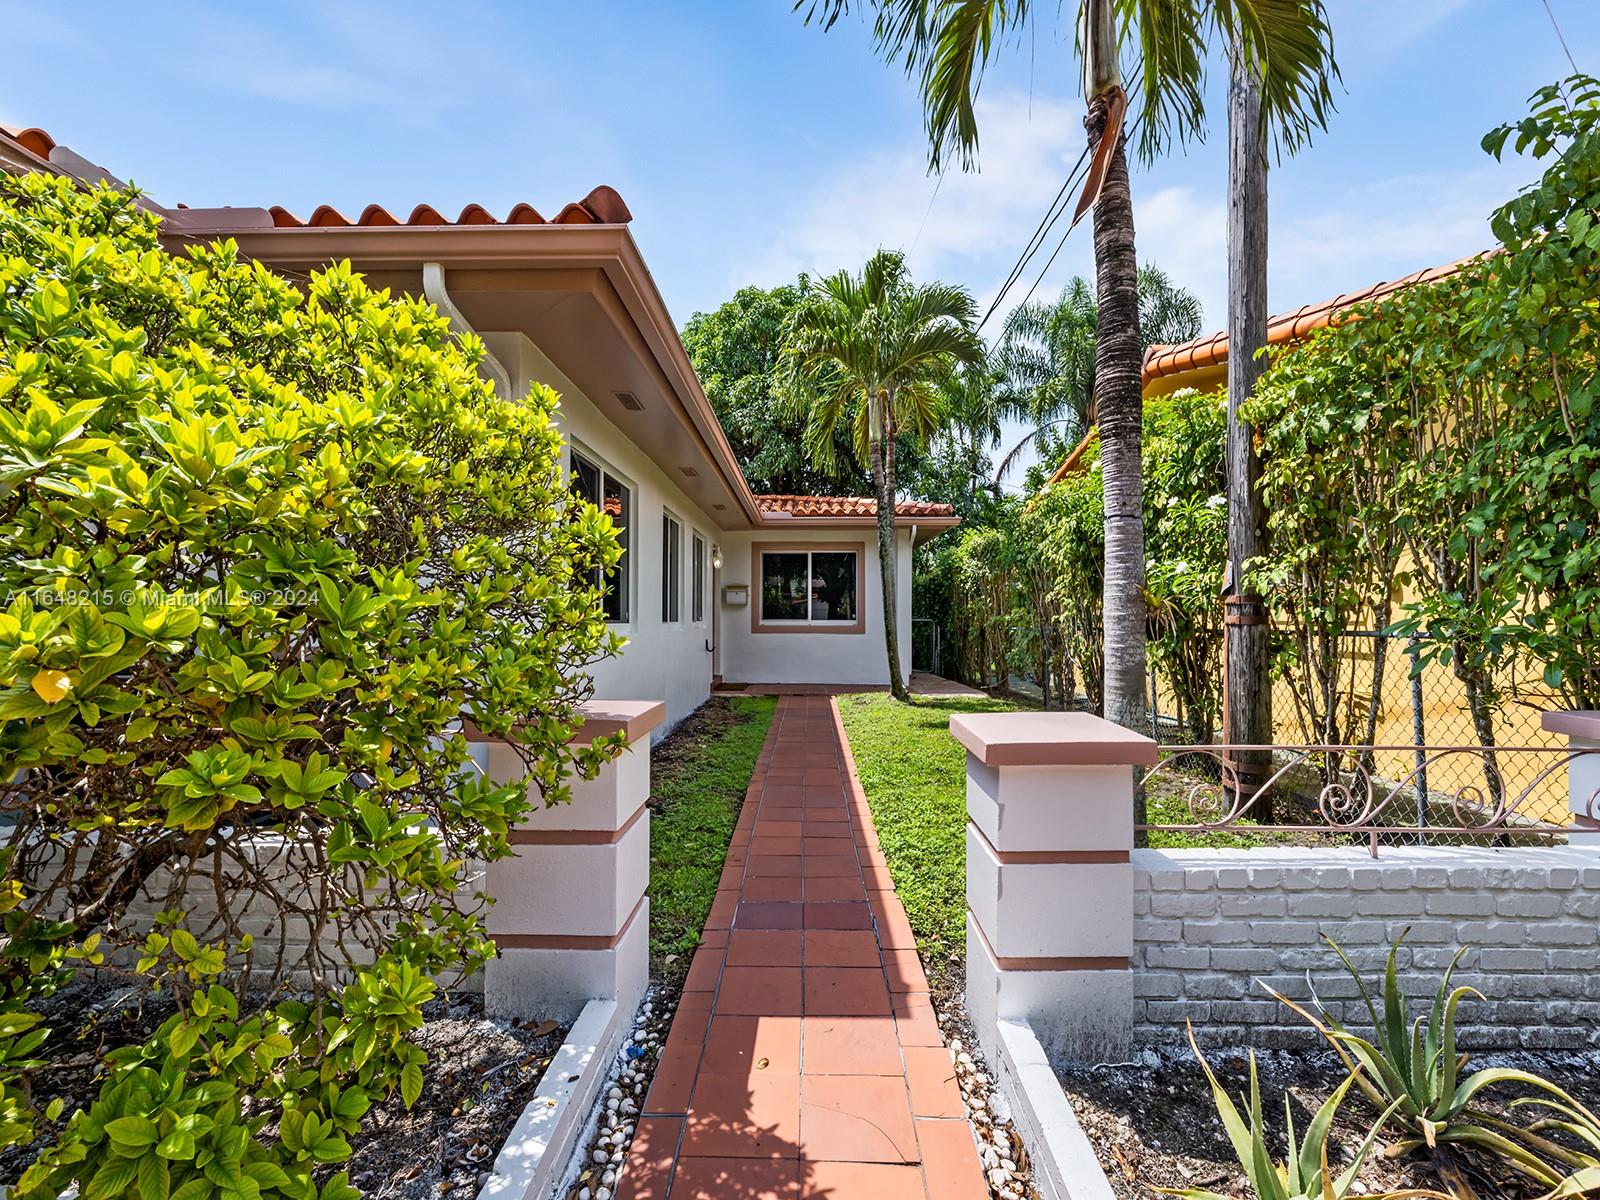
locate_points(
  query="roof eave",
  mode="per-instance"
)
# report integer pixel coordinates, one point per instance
(609, 248)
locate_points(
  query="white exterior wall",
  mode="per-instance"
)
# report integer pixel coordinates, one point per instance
(662, 662)
(670, 662)
(789, 657)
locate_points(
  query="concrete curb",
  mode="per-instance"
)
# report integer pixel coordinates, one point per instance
(1064, 1164)
(542, 1142)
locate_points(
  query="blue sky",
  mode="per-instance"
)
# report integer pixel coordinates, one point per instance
(751, 147)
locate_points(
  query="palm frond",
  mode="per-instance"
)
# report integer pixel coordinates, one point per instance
(954, 50)
(1289, 43)
(1171, 40)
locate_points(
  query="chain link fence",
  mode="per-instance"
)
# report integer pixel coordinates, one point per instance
(1373, 689)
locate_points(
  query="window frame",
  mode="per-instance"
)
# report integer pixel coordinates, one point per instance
(758, 550)
(577, 453)
(671, 568)
(699, 565)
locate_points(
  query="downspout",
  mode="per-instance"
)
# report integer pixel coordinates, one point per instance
(911, 612)
(433, 287)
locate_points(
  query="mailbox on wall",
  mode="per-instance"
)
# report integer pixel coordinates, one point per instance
(736, 595)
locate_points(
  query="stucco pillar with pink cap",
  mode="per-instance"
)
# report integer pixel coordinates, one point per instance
(570, 915)
(1582, 730)
(1049, 878)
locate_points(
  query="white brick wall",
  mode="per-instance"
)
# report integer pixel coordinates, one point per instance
(291, 874)
(1212, 926)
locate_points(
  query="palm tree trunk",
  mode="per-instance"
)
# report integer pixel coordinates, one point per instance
(1116, 374)
(883, 479)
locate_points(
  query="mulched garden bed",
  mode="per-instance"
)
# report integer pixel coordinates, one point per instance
(1152, 1122)
(481, 1073)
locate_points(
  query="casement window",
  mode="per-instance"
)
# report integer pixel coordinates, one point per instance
(611, 496)
(671, 568)
(810, 588)
(697, 585)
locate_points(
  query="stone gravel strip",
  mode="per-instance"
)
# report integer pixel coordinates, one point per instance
(593, 1174)
(1006, 1166)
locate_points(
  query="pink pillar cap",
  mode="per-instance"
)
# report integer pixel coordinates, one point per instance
(599, 718)
(1047, 739)
(1573, 724)
(635, 718)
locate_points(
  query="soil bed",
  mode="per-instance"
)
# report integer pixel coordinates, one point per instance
(1152, 1122)
(480, 1075)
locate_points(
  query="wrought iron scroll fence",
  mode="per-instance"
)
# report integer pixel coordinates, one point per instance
(1379, 741)
(1326, 794)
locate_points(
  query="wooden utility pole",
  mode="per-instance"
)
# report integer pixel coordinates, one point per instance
(1247, 705)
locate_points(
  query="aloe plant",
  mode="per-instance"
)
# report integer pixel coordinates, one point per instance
(1304, 1174)
(1413, 1073)
(1581, 1125)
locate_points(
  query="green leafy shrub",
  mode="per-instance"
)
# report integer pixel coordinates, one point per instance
(1186, 543)
(1450, 435)
(266, 546)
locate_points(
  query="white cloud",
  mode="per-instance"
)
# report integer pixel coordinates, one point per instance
(1380, 229)
(976, 216)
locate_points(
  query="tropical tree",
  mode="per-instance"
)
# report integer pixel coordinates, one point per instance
(974, 407)
(734, 349)
(869, 353)
(1046, 355)
(948, 44)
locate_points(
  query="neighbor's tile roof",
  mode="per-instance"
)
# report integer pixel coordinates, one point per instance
(847, 506)
(1212, 351)
(602, 206)
(1204, 353)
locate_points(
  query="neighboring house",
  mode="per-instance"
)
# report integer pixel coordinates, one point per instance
(1202, 363)
(716, 581)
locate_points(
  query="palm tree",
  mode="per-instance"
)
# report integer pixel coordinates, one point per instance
(1047, 355)
(948, 43)
(974, 406)
(870, 351)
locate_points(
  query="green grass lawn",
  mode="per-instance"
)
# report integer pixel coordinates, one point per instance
(698, 780)
(915, 777)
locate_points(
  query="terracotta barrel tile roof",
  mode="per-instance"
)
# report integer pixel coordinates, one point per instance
(1207, 353)
(35, 141)
(1212, 351)
(602, 206)
(847, 506)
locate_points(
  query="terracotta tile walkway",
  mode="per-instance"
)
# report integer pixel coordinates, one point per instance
(804, 1060)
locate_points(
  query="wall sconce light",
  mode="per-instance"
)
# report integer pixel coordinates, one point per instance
(716, 558)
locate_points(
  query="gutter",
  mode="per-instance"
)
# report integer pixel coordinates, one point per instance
(433, 287)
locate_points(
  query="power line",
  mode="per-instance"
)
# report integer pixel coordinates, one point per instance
(928, 212)
(1050, 262)
(1040, 233)
(1052, 216)
(1549, 12)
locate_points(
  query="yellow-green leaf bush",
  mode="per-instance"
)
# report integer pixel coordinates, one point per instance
(265, 545)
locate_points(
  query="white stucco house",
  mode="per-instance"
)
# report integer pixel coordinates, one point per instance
(717, 583)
